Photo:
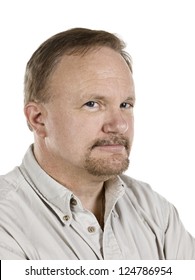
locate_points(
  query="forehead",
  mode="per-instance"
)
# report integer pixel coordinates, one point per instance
(98, 67)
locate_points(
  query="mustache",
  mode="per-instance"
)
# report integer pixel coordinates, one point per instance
(113, 140)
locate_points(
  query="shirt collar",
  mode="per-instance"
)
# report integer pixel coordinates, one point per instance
(56, 195)
(53, 193)
(114, 190)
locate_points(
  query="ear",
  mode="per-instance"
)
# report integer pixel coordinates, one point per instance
(35, 115)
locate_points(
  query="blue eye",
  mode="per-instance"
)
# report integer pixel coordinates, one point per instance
(90, 104)
(126, 105)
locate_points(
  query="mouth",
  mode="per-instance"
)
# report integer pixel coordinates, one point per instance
(112, 148)
(117, 145)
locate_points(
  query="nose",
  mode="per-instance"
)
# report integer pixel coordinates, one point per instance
(115, 123)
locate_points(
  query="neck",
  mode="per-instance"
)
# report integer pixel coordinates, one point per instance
(88, 188)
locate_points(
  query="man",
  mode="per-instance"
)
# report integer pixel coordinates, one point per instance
(69, 199)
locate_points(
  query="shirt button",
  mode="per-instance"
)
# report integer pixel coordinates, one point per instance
(91, 229)
(73, 202)
(66, 218)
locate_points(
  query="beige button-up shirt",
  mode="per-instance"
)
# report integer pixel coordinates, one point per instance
(41, 219)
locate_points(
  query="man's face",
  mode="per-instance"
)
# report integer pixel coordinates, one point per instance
(89, 122)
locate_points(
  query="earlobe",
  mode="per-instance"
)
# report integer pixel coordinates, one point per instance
(34, 113)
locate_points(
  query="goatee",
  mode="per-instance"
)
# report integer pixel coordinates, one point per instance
(110, 164)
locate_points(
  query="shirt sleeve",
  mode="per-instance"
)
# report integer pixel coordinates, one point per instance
(175, 242)
(9, 249)
(7, 254)
(178, 243)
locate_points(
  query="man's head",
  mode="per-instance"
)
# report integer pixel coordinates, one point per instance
(79, 98)
(77, 41)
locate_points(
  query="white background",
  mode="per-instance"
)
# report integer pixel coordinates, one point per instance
(160, 36)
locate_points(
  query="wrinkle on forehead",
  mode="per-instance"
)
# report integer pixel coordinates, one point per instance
(103, 58)
(94, 67)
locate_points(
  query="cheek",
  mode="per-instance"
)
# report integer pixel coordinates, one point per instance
(83, 132)
(131, 127)
(74, 130)
(57, 127)
(131, 123)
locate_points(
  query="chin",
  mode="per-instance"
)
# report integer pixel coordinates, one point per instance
(107, 168)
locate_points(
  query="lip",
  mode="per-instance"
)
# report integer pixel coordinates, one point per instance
(115, 148)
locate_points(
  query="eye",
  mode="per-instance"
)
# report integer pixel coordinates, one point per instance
(91, 104)
(126, 105)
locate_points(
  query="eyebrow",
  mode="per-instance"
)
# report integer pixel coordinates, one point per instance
(95, 96)
(103, 97)
(130, 98)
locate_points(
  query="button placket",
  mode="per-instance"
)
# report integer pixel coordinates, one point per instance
(91, 229)
(66, 218)
(73, 202)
